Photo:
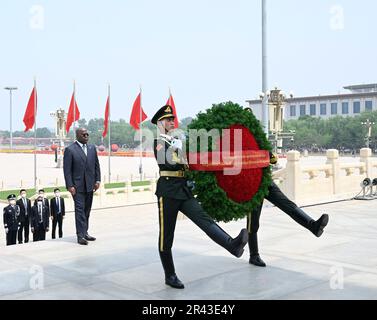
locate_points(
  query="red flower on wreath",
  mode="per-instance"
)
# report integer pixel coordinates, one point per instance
(242, 186)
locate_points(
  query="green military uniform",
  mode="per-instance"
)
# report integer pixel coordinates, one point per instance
(174, 195)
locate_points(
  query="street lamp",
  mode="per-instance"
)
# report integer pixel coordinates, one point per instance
(276, 101)
(60, 133)
(11, 89)
(369, 125)
(264, 67)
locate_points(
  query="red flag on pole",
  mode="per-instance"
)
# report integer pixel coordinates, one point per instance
(29, 117)
(172, 104)
(107, 113)
(137, 115)
(73, 113)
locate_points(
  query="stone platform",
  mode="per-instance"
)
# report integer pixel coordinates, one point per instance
(124, 264)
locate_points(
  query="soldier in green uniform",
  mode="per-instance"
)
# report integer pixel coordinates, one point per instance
(174, 195)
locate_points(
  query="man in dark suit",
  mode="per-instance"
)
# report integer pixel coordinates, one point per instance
(82, 177)
(40, 222)
(11, 215)
(41, 193)
(25, 212)
(57, 208)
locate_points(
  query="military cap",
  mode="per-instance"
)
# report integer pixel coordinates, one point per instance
(12, 197)
(163, 113)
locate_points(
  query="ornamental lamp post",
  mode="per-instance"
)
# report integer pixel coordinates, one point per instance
(369, 125)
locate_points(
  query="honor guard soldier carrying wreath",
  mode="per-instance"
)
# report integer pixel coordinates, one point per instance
(174, 194)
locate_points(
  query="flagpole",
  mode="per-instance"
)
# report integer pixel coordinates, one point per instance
(141, 137)
(74, 108)
(35, 134)
(109, 126)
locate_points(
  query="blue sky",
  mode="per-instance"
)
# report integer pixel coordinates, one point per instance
(207, 51)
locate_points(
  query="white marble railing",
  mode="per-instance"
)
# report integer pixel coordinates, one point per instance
(330, 181)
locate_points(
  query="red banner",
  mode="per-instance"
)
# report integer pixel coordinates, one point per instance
(218, 161)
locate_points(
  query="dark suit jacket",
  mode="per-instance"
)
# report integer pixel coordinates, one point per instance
(10, 216)
(46, 203)
(34, 222)
(54, 208)
(24, 216)
(81, 171)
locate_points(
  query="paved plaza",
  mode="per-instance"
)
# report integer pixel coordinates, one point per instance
(124, 264)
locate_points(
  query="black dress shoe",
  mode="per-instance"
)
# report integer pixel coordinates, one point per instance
(90, 238)
(257, 261)
(174, 282)
(320, 224)
(82, 241)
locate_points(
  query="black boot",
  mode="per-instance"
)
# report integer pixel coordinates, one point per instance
(316, 227)
(234, 246)
(171, 278)
(255, 259)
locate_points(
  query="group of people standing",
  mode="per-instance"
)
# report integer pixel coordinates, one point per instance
(82, 176)
(21, 217)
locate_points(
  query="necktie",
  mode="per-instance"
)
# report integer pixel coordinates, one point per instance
(40, 213)
(25, 205)
(84, 148)
(58, 204)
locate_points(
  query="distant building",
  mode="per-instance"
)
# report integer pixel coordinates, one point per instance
(361, 98)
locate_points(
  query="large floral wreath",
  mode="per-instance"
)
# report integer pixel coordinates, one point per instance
(231, 197)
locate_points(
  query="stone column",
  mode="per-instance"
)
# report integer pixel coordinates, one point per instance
(333, 160)
(366, 157)
(293, 175)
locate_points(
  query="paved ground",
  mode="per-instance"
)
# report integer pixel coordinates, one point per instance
(124, 262)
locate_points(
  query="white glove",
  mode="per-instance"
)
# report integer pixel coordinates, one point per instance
(176, 144)
(166, 137)
(6, 230)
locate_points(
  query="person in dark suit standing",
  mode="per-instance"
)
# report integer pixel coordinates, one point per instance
(25, 212)
(11, 215)
(82, 175)
(40, 222)
(57, 208)
(41, 193)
